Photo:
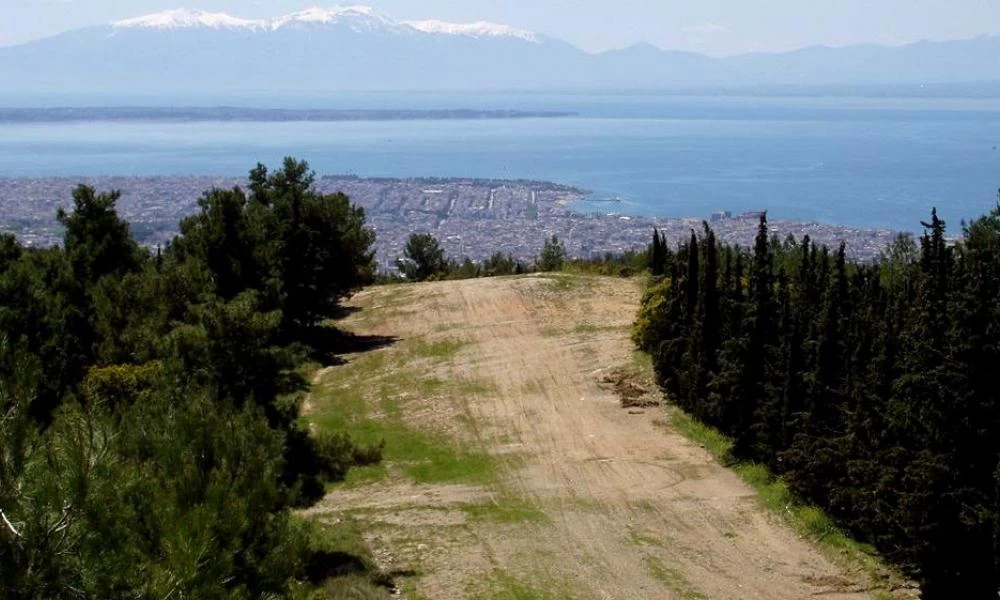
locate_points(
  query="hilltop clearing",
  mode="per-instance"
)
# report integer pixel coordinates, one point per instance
(512, 470)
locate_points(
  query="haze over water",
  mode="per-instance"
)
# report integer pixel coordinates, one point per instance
(865, 162)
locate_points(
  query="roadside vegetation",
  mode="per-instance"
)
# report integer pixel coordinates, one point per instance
(865, 390)
(150, 444)
(424, 260)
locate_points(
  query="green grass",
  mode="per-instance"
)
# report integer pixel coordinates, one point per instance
(344, 538)
(773, 493)
(718, 445)
(501, 585)
(642, 362)
(371, 403)
(505, 510)
(673, 579)
(392, 299)
(640, 538)
(563, 282)
(586, 327)
(425, 457)
(440, 350)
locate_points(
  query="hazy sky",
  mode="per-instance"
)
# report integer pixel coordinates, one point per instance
(711, 26)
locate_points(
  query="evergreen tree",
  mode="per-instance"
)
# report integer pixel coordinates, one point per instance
(553, 255)
(658, 255)
(423, 258)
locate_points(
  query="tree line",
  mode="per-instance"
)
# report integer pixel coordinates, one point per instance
(424, 259)
(150, 444)
(868, 388)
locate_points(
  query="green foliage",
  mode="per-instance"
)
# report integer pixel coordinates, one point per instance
(501, 585)
(301, 251)
(867, 388)
(505, 510)
(626, 264)
(499, 264)
(97, 242)
(120, 383)
(423, 258)
(650, 324)
(552, 257)
(337, 454)
(659, 255)
(149, 437)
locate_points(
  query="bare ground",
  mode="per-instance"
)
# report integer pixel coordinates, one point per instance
(592, 500)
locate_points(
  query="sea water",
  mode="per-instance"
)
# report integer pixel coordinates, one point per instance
(865, 162)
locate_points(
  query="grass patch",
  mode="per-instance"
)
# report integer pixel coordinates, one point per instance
(642, 362)
(562, 281)
(341, 566)
(389, 301)
(588, 328)
(640, 538)
(474, 387)
(718, 445)
(359, 476)
(441, 350)
(501, 585)
(505, 510)
(673, 579)
(773, 493)
(424, 456)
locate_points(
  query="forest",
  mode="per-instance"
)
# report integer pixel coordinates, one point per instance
(150, 443)
(868, 388)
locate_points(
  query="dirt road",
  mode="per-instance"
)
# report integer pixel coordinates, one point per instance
(582, 498)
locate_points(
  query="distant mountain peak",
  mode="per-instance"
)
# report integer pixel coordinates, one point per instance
(359, 18)
(362, 19)
(479, 29)
(183, 18)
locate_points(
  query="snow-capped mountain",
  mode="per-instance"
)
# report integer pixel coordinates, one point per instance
(479, 29)
(340, 48)
(360, 19)
(183, 18)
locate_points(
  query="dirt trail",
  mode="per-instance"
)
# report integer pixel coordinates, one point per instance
(629, 509)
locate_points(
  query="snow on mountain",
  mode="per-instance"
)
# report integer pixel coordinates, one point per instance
(353, 48)
(183, 18)
(479, 29)
(361, 19)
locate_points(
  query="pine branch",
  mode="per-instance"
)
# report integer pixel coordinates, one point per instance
(9, 525)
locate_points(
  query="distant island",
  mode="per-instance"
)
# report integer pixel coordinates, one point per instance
(233, 113)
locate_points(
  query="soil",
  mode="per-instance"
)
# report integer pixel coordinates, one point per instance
(623, 507)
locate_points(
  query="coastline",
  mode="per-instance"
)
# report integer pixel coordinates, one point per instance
(195, 114)
(471, 217)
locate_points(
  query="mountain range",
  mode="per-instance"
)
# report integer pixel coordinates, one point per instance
(352, 48)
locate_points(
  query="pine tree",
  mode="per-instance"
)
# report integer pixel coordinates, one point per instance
(658, 255)
(759, 344)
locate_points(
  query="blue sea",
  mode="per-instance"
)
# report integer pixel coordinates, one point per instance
(865, 162)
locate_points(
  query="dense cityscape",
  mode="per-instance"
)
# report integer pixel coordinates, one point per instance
(471, 217)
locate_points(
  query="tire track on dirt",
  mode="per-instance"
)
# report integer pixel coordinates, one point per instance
(634, 511)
